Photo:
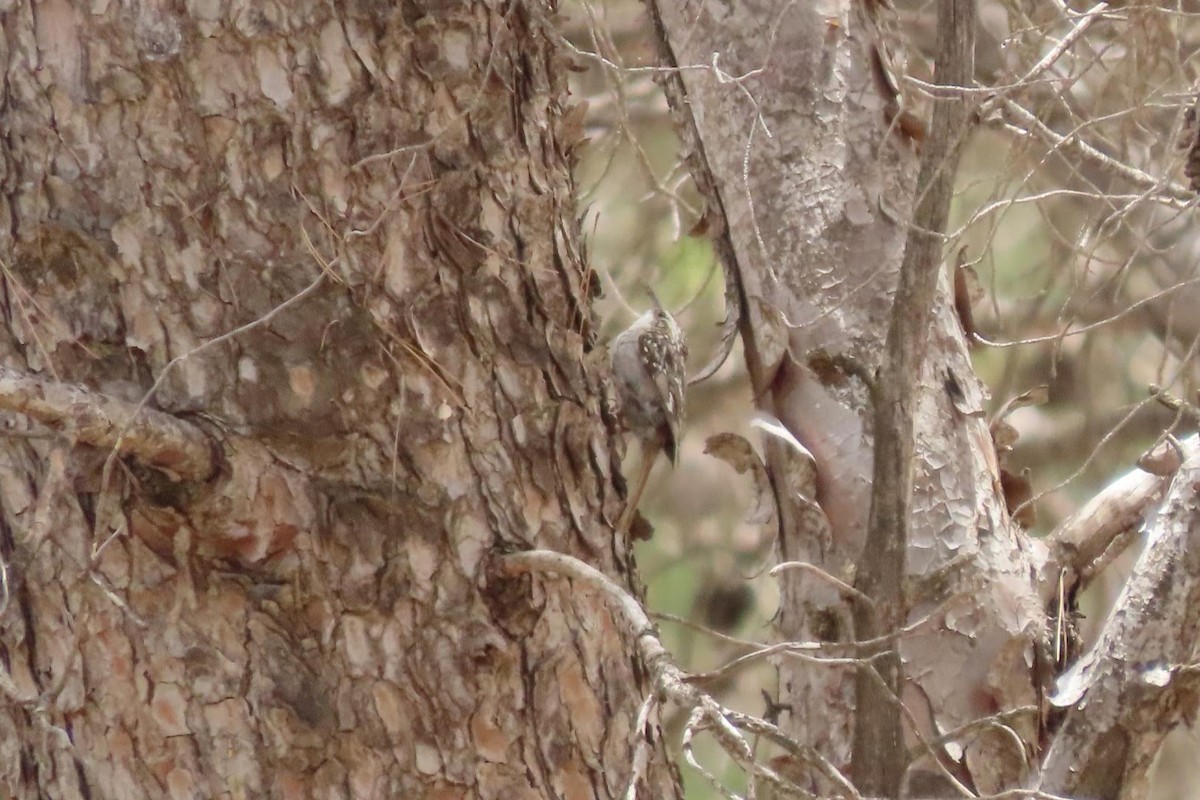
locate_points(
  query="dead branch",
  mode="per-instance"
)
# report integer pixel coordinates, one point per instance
(1126, 693)
(1087, 541)
(672, 683)
(1026, 124)
(153, 437)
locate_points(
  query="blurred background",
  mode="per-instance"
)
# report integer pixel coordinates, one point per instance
(1087, 286)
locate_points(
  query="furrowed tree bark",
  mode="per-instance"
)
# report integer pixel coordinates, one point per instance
(339, 243)
(879, 758)
(799, 141)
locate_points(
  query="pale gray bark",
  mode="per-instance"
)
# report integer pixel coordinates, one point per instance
(879, 757)
(319, 619)
(1140, 679)
(786, 123)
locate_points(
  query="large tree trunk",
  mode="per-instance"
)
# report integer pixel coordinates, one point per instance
(337, 246)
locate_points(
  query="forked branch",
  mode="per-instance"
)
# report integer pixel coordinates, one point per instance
(1139, 680)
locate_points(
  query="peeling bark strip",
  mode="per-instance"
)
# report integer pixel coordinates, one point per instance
(357, 222)
(879, 757)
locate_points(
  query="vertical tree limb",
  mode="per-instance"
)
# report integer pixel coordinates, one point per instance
(878, 754)
(811, 191)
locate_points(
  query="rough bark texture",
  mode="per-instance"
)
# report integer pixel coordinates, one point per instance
(880, 758)
(318, 620)
(811, 225)
(1139, 681)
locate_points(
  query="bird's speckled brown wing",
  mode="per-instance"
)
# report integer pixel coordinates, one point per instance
(664, 352)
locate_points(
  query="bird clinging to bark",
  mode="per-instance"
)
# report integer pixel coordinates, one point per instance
(648, 365)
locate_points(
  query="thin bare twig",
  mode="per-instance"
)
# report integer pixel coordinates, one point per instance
(670, 681)
(846, 590)
(1027, 123)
